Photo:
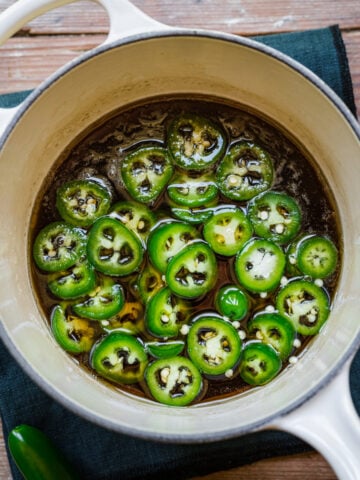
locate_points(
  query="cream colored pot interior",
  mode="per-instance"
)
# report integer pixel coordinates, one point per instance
(128, 73)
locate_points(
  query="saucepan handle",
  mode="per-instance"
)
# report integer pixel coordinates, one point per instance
(330, 423)
(125, 19)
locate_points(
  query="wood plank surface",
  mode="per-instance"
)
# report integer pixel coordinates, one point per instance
(55, 38)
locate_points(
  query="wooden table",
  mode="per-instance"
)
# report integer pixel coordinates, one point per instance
(55, 38)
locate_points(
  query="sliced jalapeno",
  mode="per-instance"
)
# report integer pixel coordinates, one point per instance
(193, 271)
(260, 363)
(130, 319)
(106, 300)
(73, 334)
(165, 314)
(305, 304)
(113, 249)
(232, 302)
(259, 265)
(149, 282)
(245, 171)
(275, 216)
(58, 247)
(136, 217)
(195, 143)
(275, 330)
(165, 349)
(119, 357)
(73, 282)
(194, 216)
(214, 346)
(316, 256)
(192, 191)
(167, 240)
(146, 172)
(227, 230)
(174, 381)
(81, 202)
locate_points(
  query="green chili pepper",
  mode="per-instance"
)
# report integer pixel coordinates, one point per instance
(192, 191)
(81, 202)
(72, 283)
(37, 457)
(195, 143)
(316, 256)
(232, 302)
(260, 363)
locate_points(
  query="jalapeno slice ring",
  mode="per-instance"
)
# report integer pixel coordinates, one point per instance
(192, 191)
(166, 240)
(227, 230)
(214, 346)
(316, 256)
(145, 173)
(275, 216)
(260, 363)
(275, 330)
(165, 349)
(194, 216)
(149, 282)
(193, 271)
(134, 216)
(245, 171)
(106, 300)
(113, 249)
(165, 314)
(130, 319)
(58, 246)
(259, 265)
(305, 304)
(81, 202)
(119, 357)
(195, 143)
(73, 334)
(232, 302)
(174, 381)
(74, 282)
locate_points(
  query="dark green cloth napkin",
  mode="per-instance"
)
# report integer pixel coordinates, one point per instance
(101, 454)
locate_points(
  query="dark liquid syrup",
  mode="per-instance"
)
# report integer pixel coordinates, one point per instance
(99, 154)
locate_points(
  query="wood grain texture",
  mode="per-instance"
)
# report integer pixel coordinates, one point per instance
(57, 37)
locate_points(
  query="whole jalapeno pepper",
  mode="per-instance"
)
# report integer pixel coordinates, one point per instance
(74, 282)
(260, 363)
(136, 217)
(113, 249)
(146, 172)
(195, 143)
(192, 191)
(232, 302)
(245, 171)
(259, 265)
(275, 216)
(165, 314)
(227, 230)
(167, 239)
(73, 334)
(58, 246)
(174, 381)
(81, 202)
(37, 457)
(119, 357)
(316, 256)
(105, 301)
(275, 330)
(214, 346)
(193, 271)
(305, 304)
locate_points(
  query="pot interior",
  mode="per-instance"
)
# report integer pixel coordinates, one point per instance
(91, 88)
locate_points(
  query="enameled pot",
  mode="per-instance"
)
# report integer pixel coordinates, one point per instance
(141, 59)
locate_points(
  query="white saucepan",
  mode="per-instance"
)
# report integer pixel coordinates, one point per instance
(142, 58)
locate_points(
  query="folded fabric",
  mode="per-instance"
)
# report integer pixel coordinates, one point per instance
(100, 454)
